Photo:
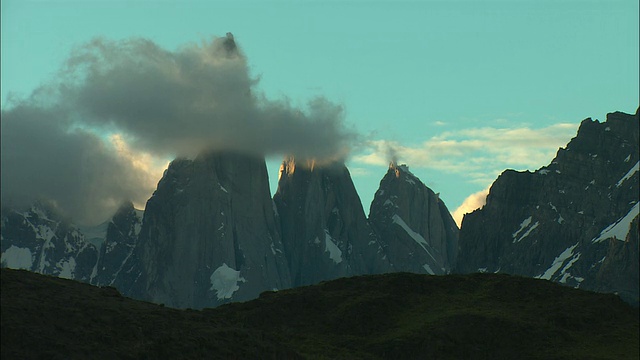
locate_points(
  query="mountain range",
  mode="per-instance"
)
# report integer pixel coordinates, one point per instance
(211, 233)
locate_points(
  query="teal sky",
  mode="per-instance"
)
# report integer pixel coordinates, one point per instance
(463, 88)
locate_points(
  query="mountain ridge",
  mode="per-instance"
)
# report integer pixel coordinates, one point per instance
(211, 228)
(563, 221)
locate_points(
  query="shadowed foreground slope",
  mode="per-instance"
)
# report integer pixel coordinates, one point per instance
(477, 316)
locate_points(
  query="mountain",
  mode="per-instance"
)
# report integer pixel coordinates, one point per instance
(574, 221)
(397, 316)
(324, 229)
(209, 235)
(95, 234)
(120, 240)
(415, 226)
(41, 240)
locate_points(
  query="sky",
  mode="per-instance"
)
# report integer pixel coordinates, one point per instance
(97, 96)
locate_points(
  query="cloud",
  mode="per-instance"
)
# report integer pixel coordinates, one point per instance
(201, 96)
(472, 202)
(359, 171)
(479, 154)
(84, 140)
(74, 168)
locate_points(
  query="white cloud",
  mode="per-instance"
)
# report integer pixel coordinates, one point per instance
(479, 154)
(472, 202)
(149, 168)
(359, 171)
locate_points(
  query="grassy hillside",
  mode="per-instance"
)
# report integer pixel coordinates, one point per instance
(403, 316)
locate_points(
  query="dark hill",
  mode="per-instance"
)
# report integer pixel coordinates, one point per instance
(404, 316)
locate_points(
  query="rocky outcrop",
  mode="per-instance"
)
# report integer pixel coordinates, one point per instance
(208, 236)
(117, 247)
(416, 229)
(324, 230)
(573, 221)
(41, 240)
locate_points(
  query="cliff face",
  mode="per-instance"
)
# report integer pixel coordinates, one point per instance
(416, 229)
(573, 221)
(117, 247)
(208, 236)
(41, 240)
(324, 229)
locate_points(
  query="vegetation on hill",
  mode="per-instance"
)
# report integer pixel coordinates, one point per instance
(403, 316)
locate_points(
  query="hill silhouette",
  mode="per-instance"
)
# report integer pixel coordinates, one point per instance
(391, 316)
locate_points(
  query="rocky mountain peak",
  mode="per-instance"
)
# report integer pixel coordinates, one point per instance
(42, 240)
(415, 226)
(570, 221)
(120, 241)
(324, 229)
(209, 234)
(401, 170)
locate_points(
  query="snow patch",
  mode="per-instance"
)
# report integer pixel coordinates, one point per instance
(569, 264)
(627, 158)
(414, 235)
(557, 263)
(222, 188)
(17, 258)
(44, 232)
(543, 172)
(525, 225)
(428, 269)
(560, 219)
(68, 269)
(621, 228)
(136, 228)
(224, 280)
(629, 174)
(533, 227)
(334, 251)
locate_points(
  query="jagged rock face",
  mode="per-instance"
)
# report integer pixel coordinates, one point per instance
(570, 222)
(121, 237)
(40, 240)
(324, 229)
(209, 236)
(417, 230)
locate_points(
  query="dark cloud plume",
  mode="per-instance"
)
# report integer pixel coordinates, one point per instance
(74, 169)
(391, 152)
(201, 96)
(166, 103)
